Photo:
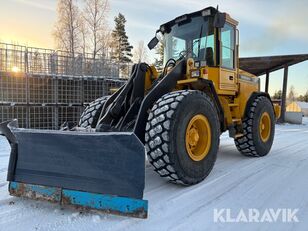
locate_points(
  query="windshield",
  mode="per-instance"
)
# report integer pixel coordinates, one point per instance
(194, 40)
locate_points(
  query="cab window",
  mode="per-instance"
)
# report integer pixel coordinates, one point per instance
(227, 46)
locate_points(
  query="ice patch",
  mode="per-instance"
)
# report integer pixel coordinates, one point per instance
(96, 218)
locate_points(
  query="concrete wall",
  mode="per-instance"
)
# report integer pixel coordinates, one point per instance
(294, 117)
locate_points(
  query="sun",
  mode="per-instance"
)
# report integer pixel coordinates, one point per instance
(15, 69)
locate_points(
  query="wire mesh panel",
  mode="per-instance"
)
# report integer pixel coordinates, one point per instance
(69, 90)
(70, 114)
(111, 85)
(100, 67)
(14, 112)
(41, 117)
(97, 87)
(15, 58)
(40, 61)
(13, 88)
(93, 89)
(12, 58)
(69, 64)
(41, 90)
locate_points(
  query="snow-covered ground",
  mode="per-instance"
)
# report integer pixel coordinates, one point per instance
(279, 180)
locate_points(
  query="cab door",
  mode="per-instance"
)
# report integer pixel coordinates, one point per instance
(228, 70)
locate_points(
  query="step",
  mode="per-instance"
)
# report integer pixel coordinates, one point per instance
(236, 120)
(239, 135)
(233, 105)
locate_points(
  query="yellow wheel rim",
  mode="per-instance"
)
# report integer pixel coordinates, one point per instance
(198, 137)
(265, 127)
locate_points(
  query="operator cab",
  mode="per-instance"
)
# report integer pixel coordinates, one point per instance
(198, 35)
(209, 37)
(193, 38)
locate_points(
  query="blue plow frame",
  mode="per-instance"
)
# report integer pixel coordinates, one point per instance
(93, 201)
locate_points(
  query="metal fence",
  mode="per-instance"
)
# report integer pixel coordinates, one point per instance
(44, 88)
(40, 61)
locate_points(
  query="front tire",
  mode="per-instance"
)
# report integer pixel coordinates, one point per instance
(182, 136)
(259, 129)
(90, 115)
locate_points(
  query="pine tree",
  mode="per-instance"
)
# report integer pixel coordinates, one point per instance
(277, 95)
(300, 98)
(306, 97)
(121, 48)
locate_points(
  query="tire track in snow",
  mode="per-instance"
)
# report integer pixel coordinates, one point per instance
(3, 156)
(167, 204)
(22, 210)
(5, 202)
(231, 168)
(3, 184)
(281, 151)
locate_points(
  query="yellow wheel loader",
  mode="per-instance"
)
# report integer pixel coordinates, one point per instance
(175, 117)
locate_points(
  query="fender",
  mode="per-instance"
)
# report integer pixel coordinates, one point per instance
(253, 96)
(209, 89)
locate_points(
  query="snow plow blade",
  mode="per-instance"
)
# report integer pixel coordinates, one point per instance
(92, 170)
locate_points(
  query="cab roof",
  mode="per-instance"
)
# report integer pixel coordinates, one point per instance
(209, 11)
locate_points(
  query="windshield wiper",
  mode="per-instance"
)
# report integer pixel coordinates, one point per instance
(199, 44)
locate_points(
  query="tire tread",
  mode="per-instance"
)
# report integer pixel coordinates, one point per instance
(245, 144)
(91, 113)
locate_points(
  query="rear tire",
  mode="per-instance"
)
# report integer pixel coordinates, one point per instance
(257, 142)
(167, 134)
(90, 115)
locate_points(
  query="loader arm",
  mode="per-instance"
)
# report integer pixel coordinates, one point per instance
(127, 109)
(167, 84)
(117, 109)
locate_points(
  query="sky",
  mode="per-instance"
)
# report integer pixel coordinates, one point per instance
(266, 27)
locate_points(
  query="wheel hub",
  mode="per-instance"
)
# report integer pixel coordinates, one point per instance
(193, 137)
(265, 127)
(198, 137)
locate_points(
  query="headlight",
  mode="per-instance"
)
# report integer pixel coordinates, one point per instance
(162, 29)
(181, 19)
(206, 12)
(195, 74)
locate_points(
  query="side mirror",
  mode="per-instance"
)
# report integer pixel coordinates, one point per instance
(153, 43)
(219, 20)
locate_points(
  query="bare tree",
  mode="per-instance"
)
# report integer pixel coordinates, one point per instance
(84, 34)
(140, 53)
(106, 44)
(292, 94)
(67, 28)
(95, 17)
